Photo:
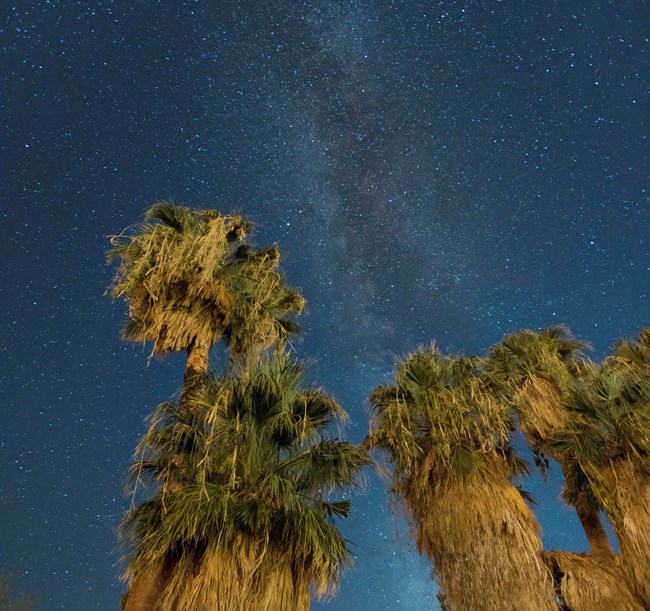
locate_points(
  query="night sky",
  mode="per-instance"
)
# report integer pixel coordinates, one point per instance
(431, 170)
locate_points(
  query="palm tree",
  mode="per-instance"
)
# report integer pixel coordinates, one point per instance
(245, 494)
(447, 438)
(190, 279)
(534, 371)
(608, 435)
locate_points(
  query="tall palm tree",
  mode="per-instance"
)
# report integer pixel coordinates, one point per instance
(245, 494)
(190, 279)
(608, 435)
(534, 371)
(447, 438)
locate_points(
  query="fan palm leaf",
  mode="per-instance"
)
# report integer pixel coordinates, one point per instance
(634, 352)
(244, 507)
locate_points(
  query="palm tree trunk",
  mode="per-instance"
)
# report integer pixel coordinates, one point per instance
(196, 370)
(485, 548)
(599, 545)
(146, 588)
(585, 583)
(629, 513)
(442, 600)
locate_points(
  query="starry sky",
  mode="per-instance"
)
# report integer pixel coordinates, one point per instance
(431, 170)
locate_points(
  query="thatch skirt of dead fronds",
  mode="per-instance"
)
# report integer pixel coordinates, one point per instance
(630, 517)
(539, 405)
(483, 540)
(248, 578)
(583, 583)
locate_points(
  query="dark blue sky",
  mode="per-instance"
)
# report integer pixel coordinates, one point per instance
(432, 170)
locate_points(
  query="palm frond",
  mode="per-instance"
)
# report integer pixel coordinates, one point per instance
(634, 352)
(175, 217)
(251, 469)
(189, 278)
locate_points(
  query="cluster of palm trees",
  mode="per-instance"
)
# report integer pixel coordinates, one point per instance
(241, 480)
(446, 425)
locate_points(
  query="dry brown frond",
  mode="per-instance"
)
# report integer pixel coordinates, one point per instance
(587, 584)
(250, 577)
(484, 544)
(630, 518)
(171, 285)
(539, 404)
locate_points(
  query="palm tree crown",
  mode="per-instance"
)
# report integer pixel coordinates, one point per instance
(189, 279)
(438, 417)
(533, 370)
(609, 421)
(244, 503)
(634, 352)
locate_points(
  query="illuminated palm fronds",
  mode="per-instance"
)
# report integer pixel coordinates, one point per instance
(190, 278)
(634, 352)
(244, 510)
(535, 373)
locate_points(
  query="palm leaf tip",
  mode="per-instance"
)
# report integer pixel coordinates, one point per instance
(167, 213)
(644, 336)
(335, 509)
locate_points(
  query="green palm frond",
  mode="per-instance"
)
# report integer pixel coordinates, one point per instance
(517, 465)
(176, 217)
(439, 415)
(254, 463)
(133, 331)
(549, 354)
(340, 509)
(609, 416)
